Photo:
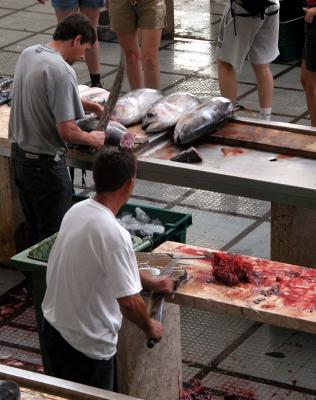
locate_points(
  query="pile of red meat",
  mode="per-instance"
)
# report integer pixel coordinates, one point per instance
(231, 269)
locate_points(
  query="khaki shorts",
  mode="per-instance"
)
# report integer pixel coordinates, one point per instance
(145, 14)
(255, 37)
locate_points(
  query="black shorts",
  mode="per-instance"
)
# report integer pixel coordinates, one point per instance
(309, 53)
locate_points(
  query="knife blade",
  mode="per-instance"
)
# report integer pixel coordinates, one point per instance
(112, 99)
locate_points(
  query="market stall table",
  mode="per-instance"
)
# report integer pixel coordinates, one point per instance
(277, 293)
(288, 182)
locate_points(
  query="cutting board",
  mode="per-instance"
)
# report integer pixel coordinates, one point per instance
(266, 139)
(285, 295)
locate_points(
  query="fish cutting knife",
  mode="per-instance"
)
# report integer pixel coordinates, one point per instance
(188, 257)
(112, 99)
(157, 299)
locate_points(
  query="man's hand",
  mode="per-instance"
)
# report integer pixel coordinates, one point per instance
(98, 109)
(72, 134)
(156, 330)
(163, 285)
(92, 106)
(133, 308)
(310, 13)
(96, 139)
(158, 284)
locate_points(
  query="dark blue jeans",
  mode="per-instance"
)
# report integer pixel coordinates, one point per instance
(65, 362)
(45, 192)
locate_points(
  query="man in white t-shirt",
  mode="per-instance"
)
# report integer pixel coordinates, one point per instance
(93, 279)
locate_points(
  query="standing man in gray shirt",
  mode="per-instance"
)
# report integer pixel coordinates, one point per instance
(45, 105)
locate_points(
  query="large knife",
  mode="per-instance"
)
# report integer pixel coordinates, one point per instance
(156, 300)
(112, 99)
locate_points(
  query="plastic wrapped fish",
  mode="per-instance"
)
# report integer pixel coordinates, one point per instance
(165, 113)
(203, 119)
(131, 108)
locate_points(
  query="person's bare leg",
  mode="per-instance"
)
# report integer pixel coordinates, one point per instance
(129, 44)
(93, 54)
(62, 14)
(150, 57)
(227, 80)
(308, 80)
(265, 84)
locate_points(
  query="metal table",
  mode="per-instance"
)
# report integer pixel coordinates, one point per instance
(289, 183)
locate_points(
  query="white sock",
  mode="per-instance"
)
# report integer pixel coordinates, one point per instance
(265, 113)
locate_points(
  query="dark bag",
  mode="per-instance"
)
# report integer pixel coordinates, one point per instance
(255, 8)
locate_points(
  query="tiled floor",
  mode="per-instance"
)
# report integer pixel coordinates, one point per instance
(230, 355)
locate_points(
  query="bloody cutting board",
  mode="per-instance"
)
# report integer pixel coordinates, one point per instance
(266, 139)
(283, 294)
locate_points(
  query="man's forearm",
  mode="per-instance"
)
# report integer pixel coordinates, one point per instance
(72, 134)
(134, 309)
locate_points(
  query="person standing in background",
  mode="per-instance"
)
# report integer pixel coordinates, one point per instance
(242, 34)
(91, 8)
(126, 16)
(308, 69)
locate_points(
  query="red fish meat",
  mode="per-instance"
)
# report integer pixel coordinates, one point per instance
(231, 269)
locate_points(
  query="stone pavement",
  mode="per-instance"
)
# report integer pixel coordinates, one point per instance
(232, 356)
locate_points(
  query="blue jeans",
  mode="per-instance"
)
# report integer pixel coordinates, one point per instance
(65, 362)
(45, 192)
(74, 4)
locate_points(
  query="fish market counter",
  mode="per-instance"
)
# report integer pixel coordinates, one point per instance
(246, 287)
(263, 160)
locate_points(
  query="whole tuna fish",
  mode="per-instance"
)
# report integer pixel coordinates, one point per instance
(203, 119)
(164, 114)
(131, 107)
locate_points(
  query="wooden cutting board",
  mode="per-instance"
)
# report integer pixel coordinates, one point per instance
(285, 295)
(266, 139)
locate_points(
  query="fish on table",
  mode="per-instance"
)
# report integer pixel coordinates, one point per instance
(165, 113)
(99, 95)
(132, 107)
(203, 119)
(117, 134)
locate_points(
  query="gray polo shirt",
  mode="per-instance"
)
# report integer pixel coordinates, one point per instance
(44, 94)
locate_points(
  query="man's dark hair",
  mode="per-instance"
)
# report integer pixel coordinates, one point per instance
(9, 391)
(112, 168)
(73, 25)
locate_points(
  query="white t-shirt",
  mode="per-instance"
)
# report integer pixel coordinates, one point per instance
(91, 264)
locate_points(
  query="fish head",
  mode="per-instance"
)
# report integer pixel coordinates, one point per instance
(149, 119)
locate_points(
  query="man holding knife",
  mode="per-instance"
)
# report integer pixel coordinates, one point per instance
(45, 105)
(93, 280)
